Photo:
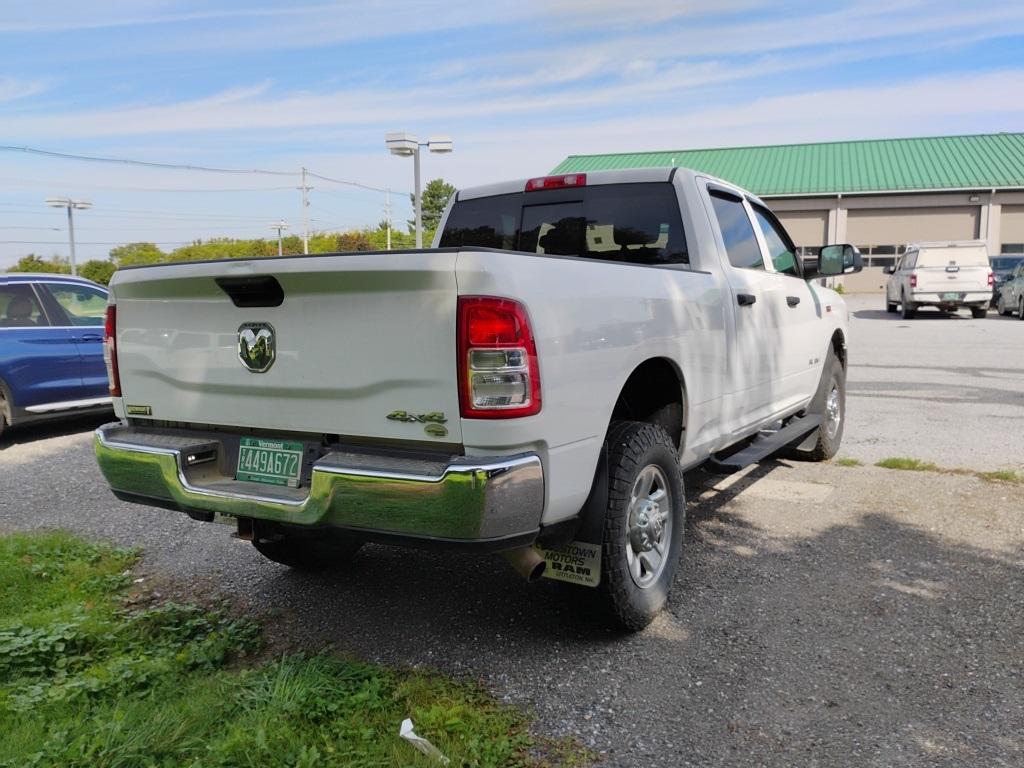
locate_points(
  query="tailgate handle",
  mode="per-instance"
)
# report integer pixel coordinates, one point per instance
(257, 291)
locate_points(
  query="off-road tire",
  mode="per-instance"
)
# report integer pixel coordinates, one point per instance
(907, 309)
(978, 313)
(826, 442)
(306, 553)
(632, 447)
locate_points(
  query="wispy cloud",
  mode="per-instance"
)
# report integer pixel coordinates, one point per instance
(12, 88)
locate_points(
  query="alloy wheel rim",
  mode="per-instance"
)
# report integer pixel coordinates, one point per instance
(649, 526)
(833, 411)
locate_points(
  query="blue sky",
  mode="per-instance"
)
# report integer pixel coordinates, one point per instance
(518, 85)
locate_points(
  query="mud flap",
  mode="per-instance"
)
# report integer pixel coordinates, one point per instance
(579, 561)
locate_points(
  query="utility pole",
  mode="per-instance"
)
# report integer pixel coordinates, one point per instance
(305, 212)
(419, 200)
(67, 202)
(387, 215)
(279, 226)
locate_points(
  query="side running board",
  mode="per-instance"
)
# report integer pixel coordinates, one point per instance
(764, 445)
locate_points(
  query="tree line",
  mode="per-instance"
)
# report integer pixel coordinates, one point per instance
(435, 197)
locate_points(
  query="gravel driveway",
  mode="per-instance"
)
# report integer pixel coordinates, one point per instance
(823, 615)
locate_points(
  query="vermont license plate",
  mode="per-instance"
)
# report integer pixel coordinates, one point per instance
(274, 462)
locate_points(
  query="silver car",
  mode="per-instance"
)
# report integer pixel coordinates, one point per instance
(1011, 293)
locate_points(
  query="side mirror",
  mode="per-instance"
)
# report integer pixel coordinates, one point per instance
(839, 260)
(889, 270)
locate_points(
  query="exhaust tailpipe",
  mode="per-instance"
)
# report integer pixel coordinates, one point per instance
(526, 562)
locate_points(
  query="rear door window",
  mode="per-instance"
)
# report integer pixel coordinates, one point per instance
(737, 231)
(19, 307)
(633, 223)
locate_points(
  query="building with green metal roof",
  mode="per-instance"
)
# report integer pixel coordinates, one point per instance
(877, 194)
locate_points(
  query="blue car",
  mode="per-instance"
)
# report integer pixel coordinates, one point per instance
(51, 347)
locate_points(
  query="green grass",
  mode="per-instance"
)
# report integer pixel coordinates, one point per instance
(902, 462)
(916, 465)
(1002, 476)
(87, 680)
(848, 462)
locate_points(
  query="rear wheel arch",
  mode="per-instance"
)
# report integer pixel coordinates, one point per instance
(6, 404)
(655, 393)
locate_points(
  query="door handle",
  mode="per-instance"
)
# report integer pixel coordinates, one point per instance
(745, 299)
(90, 337)
(792, 300)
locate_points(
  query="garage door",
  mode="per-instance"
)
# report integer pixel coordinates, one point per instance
(907, 225)
(807, 228)
(1011, 228)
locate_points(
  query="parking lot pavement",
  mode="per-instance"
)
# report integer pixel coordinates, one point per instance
(941, 388)
(822, 615)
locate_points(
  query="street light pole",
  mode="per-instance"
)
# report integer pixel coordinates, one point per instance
(405, 145)
(71, 205)
(279, 226)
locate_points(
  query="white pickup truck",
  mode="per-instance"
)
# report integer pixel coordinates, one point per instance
(535, 384)
(948, 275)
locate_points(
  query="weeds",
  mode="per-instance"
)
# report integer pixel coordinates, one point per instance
(846, 461)
(902, 462)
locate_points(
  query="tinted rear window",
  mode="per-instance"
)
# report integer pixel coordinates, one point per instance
(634, 223)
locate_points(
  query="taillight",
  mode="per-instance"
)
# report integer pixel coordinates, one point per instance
(498, 373)
(913, 280)
(557, 182)
(110, 351)
(991, 279)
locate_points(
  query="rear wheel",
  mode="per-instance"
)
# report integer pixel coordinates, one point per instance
(907, 310)
(978, 312)
(644, 521)
(890, 306)
(304, 553)
(1001, 307)
(1020, 309)
(830, 403)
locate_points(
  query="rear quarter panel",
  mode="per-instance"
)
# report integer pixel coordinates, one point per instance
(594, 323)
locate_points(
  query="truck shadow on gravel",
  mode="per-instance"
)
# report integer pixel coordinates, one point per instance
(870, 641)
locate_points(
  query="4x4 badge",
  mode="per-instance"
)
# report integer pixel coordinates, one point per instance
(434, 417)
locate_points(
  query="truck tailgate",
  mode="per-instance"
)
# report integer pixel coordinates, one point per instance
(952, 279)
(358, 337)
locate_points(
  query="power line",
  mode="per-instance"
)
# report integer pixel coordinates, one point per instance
(186, 166)
(144, 163)
(53, 183)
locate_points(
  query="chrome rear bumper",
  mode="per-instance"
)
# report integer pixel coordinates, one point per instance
(465, 499)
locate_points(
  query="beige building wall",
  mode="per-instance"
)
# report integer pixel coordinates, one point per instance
(907, 225)
(807, 228)
(1011, 225)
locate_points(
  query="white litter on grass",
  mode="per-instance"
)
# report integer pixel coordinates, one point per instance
(424, 746)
